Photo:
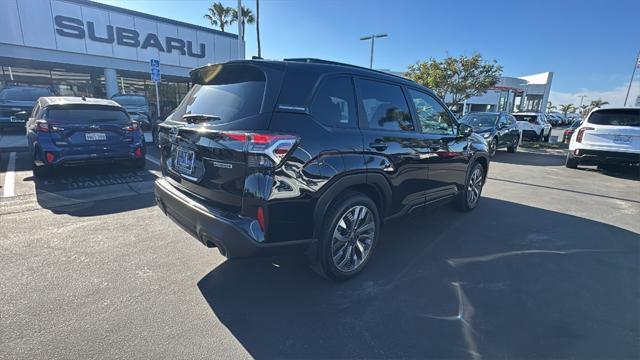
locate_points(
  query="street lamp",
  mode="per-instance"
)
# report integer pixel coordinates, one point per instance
(373, 40)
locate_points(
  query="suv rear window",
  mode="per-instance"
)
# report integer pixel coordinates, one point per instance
(228, 91)
(527, 118)
(23, 93)
(86, 115)
(616, 117)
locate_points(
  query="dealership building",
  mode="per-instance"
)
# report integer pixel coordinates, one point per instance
(84, 48)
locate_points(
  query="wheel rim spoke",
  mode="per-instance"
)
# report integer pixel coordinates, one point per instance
(352, 238)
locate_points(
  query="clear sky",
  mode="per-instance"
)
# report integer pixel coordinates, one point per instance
(590, 45)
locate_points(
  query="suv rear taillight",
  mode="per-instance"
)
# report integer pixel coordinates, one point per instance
(133, 126)
(580, 133)
(42, 126)
(265, 150)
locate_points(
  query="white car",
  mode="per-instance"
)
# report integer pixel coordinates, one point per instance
(533, 126)
(606, 137)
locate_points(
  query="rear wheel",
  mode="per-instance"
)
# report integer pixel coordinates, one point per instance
(138, 164)
(348, 237)
(540, 136)
(572, 163)
(546, 138)
(470, 196)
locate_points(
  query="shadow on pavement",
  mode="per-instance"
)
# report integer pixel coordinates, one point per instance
(529, 158)
(504, 281)
(85, 190)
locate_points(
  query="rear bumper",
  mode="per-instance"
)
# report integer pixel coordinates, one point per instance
(71, 157)
(233, 235)
(595, 157)
(530, 134)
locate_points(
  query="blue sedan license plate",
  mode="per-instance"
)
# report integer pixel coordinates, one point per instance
(184, 160)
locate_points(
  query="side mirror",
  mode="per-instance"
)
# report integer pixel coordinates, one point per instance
(464, 130)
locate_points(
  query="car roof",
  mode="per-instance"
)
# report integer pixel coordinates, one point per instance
(485, 113)
(324, 66)
(75, 100)
(527, 113)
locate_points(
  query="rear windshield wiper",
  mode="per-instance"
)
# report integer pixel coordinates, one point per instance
(198, 118)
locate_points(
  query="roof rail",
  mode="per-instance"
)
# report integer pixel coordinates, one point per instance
(329, 62)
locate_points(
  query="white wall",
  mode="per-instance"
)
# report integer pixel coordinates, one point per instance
(30, 23)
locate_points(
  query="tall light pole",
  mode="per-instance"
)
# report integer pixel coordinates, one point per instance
(582, 99)
(373, 37)
(633, 74)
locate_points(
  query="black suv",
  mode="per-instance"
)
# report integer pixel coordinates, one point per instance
(498, 128)
(17, 102)
(308, 155)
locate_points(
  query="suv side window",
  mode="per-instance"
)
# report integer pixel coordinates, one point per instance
(512, 120)
(504, 121)
(384, 105)
(334, 105)
(433, 118)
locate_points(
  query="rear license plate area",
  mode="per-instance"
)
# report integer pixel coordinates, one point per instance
(95, 136)
(184, 160)
(622, 139)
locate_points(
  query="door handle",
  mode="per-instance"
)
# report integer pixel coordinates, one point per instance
(379, 145)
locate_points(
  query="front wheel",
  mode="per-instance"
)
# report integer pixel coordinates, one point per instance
(493, 147)
(514, 145)
(469, 197)
(349, 235)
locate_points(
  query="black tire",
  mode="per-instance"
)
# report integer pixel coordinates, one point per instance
(325, 264)
(41, 171)
(138, 164)
(493, 147)
(572, 163)
(540, 137)
(546, 138)
(465, 201)
(514, 145)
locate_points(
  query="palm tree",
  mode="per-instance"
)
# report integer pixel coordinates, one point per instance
(247, 18)
(598, 103)
(258, 27)
(550, 106)
(565, 108)
(220, 15)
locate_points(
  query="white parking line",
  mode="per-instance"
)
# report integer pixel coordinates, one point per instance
(153, 159)
(10, 177)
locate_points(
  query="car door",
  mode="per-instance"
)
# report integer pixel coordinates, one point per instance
(449, 154)
(503, 130)
(392, 146)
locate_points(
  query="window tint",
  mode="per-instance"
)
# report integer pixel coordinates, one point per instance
(23, 93)
(619, 117)
(433, 118)
(86, 115)
(504, 121)
(512, 120)
(231, 92)
(385, 106)
(334, 105)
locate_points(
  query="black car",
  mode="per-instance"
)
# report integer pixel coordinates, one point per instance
(264, 157)
(17, 102)
(138, 108)
(500, 129)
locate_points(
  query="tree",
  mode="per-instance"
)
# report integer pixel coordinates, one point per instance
(565, 108)
(247, 18)
(461, 77)
(258, 27)
(598, 103)
(551, 107)
(220, 15)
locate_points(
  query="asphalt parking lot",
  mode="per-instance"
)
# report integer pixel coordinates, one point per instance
(546, 267)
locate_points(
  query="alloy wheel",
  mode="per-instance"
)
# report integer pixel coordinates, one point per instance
(493, 147)
(353, 238)
(475, 187)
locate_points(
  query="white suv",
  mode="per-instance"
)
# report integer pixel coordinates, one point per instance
(534, 126)
(607, 137)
